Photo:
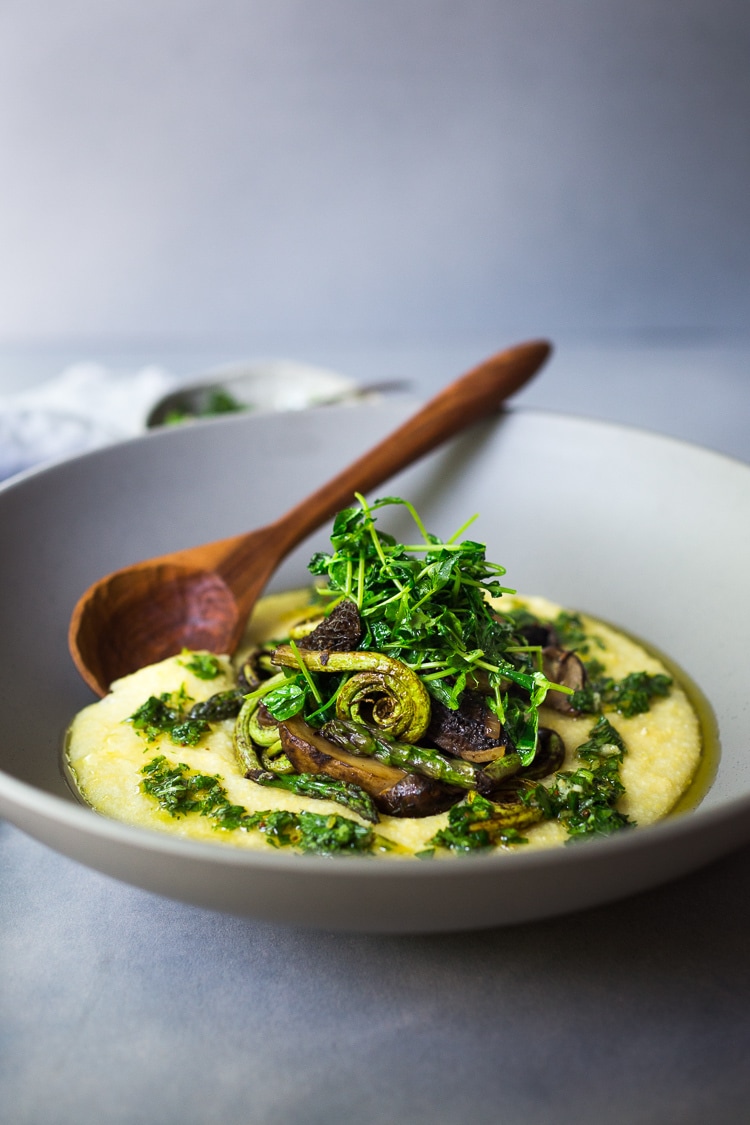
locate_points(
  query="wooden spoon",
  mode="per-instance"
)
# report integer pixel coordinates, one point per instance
(200, 598)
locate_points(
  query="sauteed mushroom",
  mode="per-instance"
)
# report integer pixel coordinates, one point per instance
(472, 731)
(341, 631)
(393, 790)
(562, 666)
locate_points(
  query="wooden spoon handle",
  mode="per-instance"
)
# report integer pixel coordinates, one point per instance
(468, 399)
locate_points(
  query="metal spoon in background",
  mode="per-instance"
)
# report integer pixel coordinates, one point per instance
(216, 396)
(200, 598)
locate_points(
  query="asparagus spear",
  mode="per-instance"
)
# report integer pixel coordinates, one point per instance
(416, 759)
(323, 788)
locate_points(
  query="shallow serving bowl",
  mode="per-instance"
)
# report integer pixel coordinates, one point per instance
(643, 531)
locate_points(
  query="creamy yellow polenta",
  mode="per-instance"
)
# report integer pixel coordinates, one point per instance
(105, 754)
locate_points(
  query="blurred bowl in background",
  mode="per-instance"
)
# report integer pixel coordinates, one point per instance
(87, 405)
(260, 386)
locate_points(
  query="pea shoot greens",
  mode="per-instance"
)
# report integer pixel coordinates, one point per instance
(426, 604)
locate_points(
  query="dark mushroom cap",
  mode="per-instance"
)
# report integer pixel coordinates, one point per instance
(472, 731)
(341, 631)
(562, 666)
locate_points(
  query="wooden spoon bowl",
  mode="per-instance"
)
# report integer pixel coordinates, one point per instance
(200, 598)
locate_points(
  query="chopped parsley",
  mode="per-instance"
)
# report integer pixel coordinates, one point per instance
(571, 632)
(584, 800)
(180, 791)
(166, 715)
(204, 665)
(477, 824)
(177, 715)
(174, 714)
(630, 696)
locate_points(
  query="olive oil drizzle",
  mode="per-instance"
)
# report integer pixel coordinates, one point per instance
(708, 763)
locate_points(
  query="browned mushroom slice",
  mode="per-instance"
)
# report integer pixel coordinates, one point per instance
(471, 732)
(394, 791)
(562, 666)
(341, 631)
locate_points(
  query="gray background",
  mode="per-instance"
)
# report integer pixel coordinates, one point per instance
(245, 174)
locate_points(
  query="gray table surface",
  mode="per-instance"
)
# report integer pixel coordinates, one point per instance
(119, 1006)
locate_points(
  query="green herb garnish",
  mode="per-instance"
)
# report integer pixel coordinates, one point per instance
(630, 696)
(584, 800)
(165, 715)
(478, 824)
(218, 402)
(180, 791)
(571, 632)
(204, 665)
(288, 699)
(174, 714)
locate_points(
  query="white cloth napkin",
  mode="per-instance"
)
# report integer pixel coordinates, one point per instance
(85, 406)
(88, 405)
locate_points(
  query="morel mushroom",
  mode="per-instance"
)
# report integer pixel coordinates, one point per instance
(472, 731)
(341, 631)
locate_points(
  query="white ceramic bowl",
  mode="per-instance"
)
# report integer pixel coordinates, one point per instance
(259, 386)
(637, 529)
